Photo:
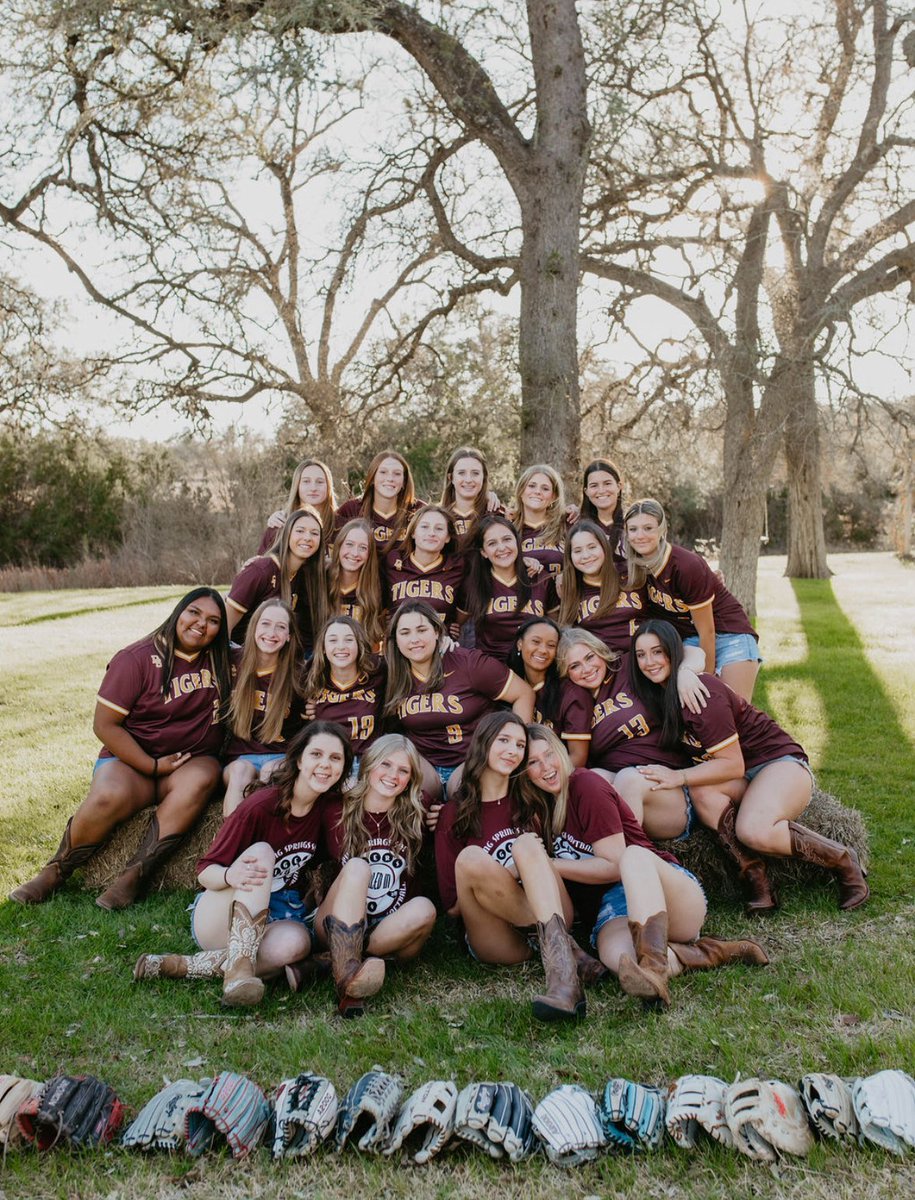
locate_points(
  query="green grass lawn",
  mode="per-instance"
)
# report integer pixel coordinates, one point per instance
(840, 673)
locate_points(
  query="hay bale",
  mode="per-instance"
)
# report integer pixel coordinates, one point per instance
(176, 872)
(702, 853)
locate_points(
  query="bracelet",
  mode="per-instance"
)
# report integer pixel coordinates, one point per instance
(225, 877)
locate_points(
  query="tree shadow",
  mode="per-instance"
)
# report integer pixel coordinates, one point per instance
(867, 759)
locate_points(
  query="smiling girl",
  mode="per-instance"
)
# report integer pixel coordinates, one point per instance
(354, 578)
(427, 565)
(388, 499)
(375, 833)
(312, 486)
(593, 595)
(159, 718)
(538, 511)
(346, 682)
(264, 713)
(293, 571)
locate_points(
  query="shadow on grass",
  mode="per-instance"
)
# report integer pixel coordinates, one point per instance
(867, 758)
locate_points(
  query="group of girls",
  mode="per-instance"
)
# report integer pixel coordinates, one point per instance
(569, 681)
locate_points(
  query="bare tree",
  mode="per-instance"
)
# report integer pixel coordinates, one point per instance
(761, 192)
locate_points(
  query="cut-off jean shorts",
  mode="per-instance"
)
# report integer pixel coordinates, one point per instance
(731, 648)
(613, 903)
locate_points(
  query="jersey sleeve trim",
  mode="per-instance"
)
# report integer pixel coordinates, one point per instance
(508, 681)
(701, 604)
(116, 707)
(722, 745)
(238, 607)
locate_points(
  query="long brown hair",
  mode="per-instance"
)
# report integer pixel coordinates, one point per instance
(400, 676)
(573, 579)
(553, 528)
(318, 676)
(406, 816)
(286, 774)
(283, 689)
(368, 594)
(530, 809)
(405, 497)
(312, 572)
(587, 507)
(326, 509)
(638, 568)
(478, 581)
(449, 497)
(165, 637)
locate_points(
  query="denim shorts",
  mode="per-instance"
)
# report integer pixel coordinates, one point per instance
(752, 772)
(444, 774)
(692, 821)
(257, 760)
(285, 905)
(613, 903)
(731, 648)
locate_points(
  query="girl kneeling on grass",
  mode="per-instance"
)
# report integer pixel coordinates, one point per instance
(159, 718)
(375, 832)
(251, 919)
(646, 909)
(266, 701)
(494, 871)
(750, 780)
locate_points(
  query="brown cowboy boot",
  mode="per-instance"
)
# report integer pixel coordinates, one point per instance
(240, 985)
(130, 883)
(55, 872)
(205, 964)
(841, 860)
(563, 999)
(647, 977)
(590, 970)
(760, 894)
(707, 952)
(355, 979)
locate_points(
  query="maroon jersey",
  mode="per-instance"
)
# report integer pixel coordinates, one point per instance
(438, 584)
(498, 830)
(440, 724)
(384, 531)
(728, 718)
(292, 720)
(270, 536)
(685, 582)
(349, 606)
(497, 629)
(257, 581)
(595, 810)
(533, 545)
(295, 840)
(622, 731)
(391, 883)
(357, 706)
(182, 721)
(616, 627)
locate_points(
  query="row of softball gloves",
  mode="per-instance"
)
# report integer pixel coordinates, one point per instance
(764, 1119)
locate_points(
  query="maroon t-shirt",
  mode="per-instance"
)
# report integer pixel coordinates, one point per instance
(623, 733)
(685, 582)
(384, 531)
(391, 884)
(440, 724)
(616, 627)
(182, 721)
(533, 545)
(728, 718)
(497, 628)
(295, 840)
(269, 537)
(596, 810)
(438, 585)
(497, 835)
(292, 721)
(357, 706)
(257, 581)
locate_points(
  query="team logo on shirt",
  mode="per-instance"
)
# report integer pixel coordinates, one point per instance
(191, 681)
(422, 589)
(607, 707)
(567, 846)
(499, 846)
(431, 702)
(289, 865)
(387, 885)
(665, 600)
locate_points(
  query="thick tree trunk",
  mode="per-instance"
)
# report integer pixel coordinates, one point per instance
(806, 537)
(550, 195)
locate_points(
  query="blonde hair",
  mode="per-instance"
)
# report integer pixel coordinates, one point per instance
(313, 570)
(369, 592)
(284, 687)
(318, 676)
(574, 637)
(638, 568)
(560, 801)
(406, 816)
(327, 507)
(554, 526)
